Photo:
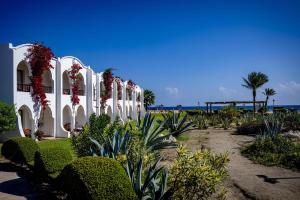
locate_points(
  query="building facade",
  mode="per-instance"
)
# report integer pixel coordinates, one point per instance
(60, 116)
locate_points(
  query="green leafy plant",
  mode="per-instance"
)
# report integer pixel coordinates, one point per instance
(114, 147)
(176, 124)
(51, 161)
(20, 150)
(8, 117)
(200, 121)
(96, 178)
(201, 172)
(276, 150)
(152, 136)
(153, 185)
(96, 129)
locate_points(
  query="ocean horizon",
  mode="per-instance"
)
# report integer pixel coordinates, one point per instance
(294, 107)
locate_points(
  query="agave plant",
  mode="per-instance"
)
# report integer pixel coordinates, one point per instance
(273, 126)
(153, 186)
(112, 147)
(152, 136)
(176, 124)
(200, 121)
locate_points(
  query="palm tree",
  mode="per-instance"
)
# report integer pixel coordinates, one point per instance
(254, 81)
(149, 98)
(268, 92)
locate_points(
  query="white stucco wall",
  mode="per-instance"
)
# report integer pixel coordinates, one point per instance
(59, 110)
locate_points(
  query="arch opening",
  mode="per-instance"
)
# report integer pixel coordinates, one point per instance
(80, 119)
(26, 120)
(66, 83)
(46, 122)
(67, 118)
(23, 80)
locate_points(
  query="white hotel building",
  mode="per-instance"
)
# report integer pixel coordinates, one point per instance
(15, 89)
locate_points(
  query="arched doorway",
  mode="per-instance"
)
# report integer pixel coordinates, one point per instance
(26, 120)
(23, 81)
(81, 91)
(46, 122)
(80, 119)
(127, 112)
(66, 83)
(67, 118)
(130, 112)
(109, 112)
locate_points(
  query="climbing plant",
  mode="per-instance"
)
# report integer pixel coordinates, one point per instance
(76, 79)
(130, 87)
(119, 87)
(107, 81)
(39, 58)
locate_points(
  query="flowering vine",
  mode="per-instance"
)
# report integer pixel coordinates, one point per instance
(119, 87)
(39, 58)
(76, 79)
(107, 81)
(129, 88)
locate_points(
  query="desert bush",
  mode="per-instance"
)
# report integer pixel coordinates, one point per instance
(214, 120)
(292, 121)
(229, 112)
(194, 112)
(96, 178)
(275, 150)
(51, 161)
(200, 121)
(20, 150)
(201, 172)
(251, 128)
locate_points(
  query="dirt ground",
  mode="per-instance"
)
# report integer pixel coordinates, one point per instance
(246, 180)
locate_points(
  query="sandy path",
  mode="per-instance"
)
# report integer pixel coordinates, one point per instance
(244, 173)
(243, 182)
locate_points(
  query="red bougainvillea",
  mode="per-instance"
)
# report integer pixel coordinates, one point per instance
(107, 81)
(76, 79)
(129, 88)
(119, 87)
(39, 58)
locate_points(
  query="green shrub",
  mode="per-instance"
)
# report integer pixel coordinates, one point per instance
(8, 117)
(275, 150)
(96, 178)
(292, 121)
(201, 172)
(51, 161)
(95, 129)
(251, 128)
(200, 121)
(20, 150)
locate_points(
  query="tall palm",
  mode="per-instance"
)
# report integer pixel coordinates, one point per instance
(254, 81)
(268, 92)
(149, 98)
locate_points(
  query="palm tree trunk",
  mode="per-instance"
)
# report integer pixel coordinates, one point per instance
(266, 104)
(254, 100)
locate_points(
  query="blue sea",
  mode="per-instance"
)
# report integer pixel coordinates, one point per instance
(270, 108)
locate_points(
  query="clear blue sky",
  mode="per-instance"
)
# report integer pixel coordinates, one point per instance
(185, 51)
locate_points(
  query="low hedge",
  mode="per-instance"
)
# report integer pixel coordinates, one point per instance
(96, 178)
(20, 150)
(51, 161)
(251, 128)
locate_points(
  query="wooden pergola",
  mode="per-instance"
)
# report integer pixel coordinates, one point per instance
(232, 103)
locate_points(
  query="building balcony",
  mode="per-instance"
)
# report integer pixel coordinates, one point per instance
(23, 87)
